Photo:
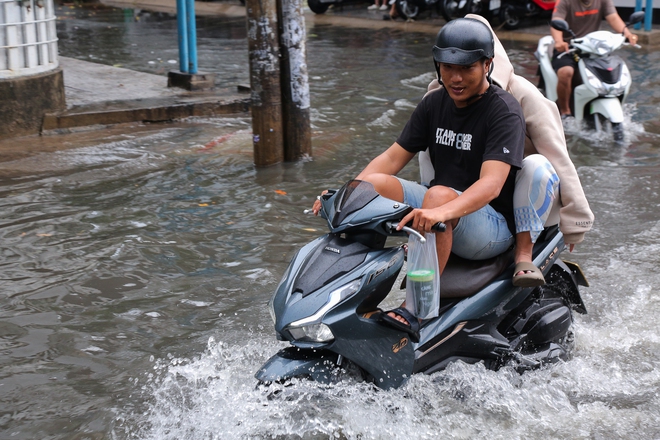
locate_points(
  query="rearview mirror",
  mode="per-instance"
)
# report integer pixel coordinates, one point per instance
(560, 25)
(636, 17)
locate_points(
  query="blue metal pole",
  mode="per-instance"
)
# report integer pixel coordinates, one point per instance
(192, 36)
(648, 16)
(183, 35)
(638, 7)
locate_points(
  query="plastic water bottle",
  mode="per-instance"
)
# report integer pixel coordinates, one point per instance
(421, 282)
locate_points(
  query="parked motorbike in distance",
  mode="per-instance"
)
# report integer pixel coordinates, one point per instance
(327, 303)
(453, 9)
(514, 12)
(321, 6)
(410, 9)
(604, 79)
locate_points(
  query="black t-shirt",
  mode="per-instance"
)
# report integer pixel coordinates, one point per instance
(461, 139)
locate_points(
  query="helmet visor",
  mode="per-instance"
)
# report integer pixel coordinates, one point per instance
(454, 55)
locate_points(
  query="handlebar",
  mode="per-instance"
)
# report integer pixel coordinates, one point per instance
(438, 227)
(569, 51)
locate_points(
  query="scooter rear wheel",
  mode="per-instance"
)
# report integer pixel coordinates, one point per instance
(539, 329)
(451, 9)
(510, 17)
(478, 7)
(317, 7)
(406, 9)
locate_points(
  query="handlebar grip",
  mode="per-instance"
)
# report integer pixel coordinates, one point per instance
(439, 227)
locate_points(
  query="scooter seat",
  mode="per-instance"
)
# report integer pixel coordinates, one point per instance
(462, 278)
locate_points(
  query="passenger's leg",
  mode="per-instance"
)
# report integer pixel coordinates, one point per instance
(535, 197)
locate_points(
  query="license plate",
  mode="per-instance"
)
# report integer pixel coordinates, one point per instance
(495, 4)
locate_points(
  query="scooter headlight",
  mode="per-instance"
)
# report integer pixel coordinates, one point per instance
(311, 328)
(313, 332)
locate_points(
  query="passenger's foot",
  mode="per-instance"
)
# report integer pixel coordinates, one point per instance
(527, 274)
(383, 7)
(372, 7)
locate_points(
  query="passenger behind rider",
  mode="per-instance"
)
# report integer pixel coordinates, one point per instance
(583, 17)
(475, 133)
(548, 189)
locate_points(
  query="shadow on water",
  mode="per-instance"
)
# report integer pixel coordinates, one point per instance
(137, 262)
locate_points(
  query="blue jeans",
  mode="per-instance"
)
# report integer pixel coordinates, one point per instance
(477, 236)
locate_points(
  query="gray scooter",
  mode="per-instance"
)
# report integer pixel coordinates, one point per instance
(327, 304)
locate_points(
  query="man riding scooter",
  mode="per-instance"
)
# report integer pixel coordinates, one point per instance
(475, 133)
(582, 17)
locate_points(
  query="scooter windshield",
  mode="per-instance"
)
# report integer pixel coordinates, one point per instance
(353, 196)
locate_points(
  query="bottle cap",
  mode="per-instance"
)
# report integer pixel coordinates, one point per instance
(421, 275)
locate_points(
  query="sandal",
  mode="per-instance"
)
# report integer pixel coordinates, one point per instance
(531, 276)
(412, 328)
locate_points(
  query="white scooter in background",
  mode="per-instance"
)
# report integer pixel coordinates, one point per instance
(605, 78)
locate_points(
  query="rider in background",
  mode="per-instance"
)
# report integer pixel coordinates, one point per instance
(583, 17)
(546, 158)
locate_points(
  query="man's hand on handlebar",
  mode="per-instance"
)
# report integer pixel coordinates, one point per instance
(561, 46)
(317, 203)
(422, 220)
(632, 38)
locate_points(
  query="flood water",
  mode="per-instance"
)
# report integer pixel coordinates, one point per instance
(137, 262)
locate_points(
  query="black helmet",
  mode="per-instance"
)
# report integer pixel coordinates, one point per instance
(463, 41)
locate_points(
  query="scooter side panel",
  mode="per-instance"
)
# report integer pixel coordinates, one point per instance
(582, 95)
(383, 352)
(386, 354)
(469, 342)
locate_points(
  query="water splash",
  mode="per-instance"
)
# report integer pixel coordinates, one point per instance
(215, 396)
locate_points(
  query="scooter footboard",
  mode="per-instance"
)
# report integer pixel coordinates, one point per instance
(292, 362)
